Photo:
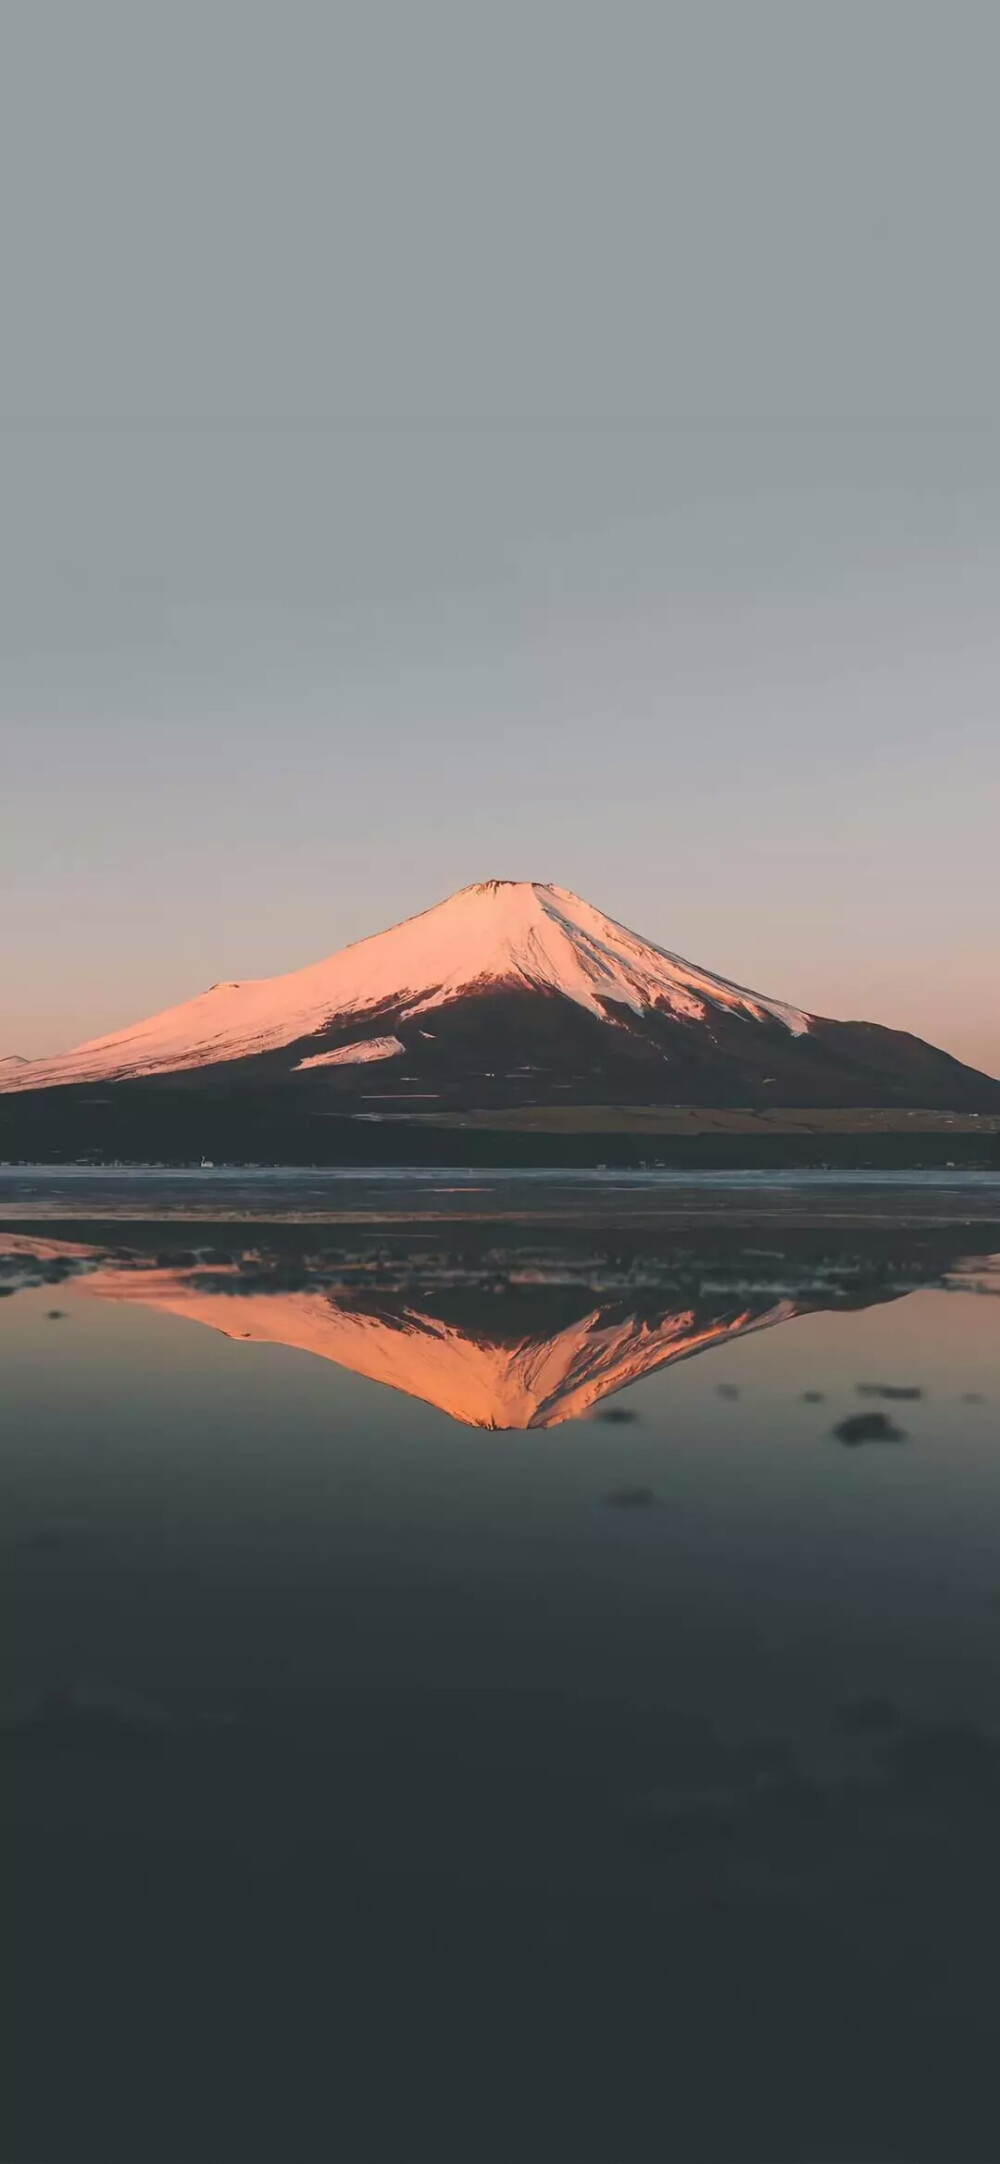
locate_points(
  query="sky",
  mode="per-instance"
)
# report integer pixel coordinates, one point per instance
(500, 439)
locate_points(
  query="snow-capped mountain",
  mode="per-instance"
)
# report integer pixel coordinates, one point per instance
(503, 934)
(510, 993)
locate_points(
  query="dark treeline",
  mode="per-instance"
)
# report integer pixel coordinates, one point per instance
(140, 1126)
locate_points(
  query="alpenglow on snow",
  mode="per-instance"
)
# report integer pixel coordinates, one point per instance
(501, 933)
(509, 994)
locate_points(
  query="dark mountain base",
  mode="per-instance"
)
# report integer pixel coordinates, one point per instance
(498, 1051)
(143, 1123)
(474, 1073)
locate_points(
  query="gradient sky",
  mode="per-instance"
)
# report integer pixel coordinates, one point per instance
(500, 439)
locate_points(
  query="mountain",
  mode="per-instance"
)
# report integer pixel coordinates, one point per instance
(508, 994)
(502, 934)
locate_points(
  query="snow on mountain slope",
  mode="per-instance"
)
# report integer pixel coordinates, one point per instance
(503, 933)
(359, 1054)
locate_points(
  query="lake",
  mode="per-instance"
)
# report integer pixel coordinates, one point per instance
(500, 1667)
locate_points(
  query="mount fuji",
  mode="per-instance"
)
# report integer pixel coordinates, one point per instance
(509, 994)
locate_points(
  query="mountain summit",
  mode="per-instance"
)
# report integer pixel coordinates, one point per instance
(509, 993)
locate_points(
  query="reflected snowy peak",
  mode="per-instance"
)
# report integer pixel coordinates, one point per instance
(523, 1338)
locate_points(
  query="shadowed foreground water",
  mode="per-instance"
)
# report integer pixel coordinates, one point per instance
(508, 1677)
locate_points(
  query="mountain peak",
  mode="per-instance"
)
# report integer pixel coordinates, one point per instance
(496, 886)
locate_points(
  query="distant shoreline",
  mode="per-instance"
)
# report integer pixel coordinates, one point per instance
(234, 1135)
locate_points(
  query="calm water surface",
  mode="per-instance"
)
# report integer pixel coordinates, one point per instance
(471, 1688)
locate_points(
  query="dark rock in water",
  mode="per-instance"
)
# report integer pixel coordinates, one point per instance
(617, 1416)
(814, 1397)
(56, 1314)
(727, 1390)
(867, 1716)
(868, 1428)
(630, 1498)
(889, 1390)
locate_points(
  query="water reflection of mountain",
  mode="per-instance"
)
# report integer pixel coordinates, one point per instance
(499, 1368)
(523, 1338)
